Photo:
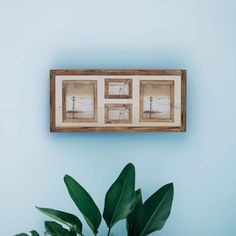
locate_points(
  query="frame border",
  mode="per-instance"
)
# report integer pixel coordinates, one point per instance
(115, 106)
(182, 73)
(172, 104)
(78, 120)
(129, 96)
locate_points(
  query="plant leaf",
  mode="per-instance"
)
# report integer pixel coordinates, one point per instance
(66, 218)
(84, 202)
(73, 233)
(130, 218)
(21, 234)
(55, 229)
(153, 214)
(34, 233)
(120, 197)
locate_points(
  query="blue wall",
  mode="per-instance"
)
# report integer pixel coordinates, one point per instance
(197, 35)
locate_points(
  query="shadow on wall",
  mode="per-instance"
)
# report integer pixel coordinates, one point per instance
(131, 59)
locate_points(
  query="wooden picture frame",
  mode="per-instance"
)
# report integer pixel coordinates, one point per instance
(124, 85)
(82, 83)
(122, 113)
(150, 113)
(164, 97)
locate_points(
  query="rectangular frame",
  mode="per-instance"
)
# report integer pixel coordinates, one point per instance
(107, 73)
(64, 101)
(116, 107)
(107, 81)
(171, 83)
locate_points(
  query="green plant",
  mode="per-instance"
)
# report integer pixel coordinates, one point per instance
(33, 233)
(121, 202)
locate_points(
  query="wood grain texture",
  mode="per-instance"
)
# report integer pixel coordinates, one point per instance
(183, 100)
(108, 96)
(181, 128)
(52, 102)
(118, 107)
(116, 72)
(118, 129)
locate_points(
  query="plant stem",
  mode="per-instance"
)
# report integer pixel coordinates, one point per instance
(109, 230)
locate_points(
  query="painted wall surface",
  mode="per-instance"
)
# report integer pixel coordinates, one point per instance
(197, 35)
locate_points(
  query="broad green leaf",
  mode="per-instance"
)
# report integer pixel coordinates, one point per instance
(34, 233)
(120, 197)
(153, 214)
(66, 218)
(73, 233)
(84, 202)
(55, 229)
(21, 234)
(130, 218)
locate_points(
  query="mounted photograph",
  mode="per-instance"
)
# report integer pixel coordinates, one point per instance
(118, 113)
(156, 100)
(118, 88)
(79, 101)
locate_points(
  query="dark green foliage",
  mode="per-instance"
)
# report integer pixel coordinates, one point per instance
(33, 233)
(55, 229)
(121, 202)
(84, 202)
(152, 215)
(120, 197)
(68, 219)
(130, 219)
(22, 234)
